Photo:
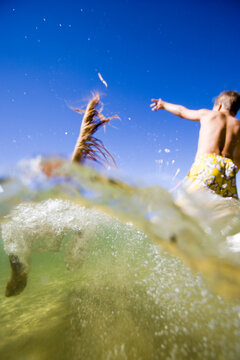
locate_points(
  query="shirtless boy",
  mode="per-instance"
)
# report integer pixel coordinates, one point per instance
(218, 155)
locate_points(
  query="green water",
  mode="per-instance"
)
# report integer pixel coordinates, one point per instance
(100, 288)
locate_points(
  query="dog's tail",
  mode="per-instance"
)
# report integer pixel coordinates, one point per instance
(87, 146)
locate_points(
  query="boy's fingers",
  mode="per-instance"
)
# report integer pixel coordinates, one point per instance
(154, 105)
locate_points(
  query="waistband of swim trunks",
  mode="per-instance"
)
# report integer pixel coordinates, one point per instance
(214, 156)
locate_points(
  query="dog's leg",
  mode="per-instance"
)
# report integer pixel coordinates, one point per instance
(18, 279)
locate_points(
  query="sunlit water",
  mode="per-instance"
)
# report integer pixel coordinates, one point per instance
(118, 272)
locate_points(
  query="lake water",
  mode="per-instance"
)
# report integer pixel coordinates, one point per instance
(118, 272)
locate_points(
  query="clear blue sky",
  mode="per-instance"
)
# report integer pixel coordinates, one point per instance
(51, 52)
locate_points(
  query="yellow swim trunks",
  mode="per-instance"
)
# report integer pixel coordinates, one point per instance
(215, 172)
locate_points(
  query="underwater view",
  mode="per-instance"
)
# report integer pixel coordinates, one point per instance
(118, 272)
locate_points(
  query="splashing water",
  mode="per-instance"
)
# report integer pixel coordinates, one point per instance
(117, 272)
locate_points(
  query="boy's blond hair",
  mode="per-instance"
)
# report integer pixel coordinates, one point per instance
(230, 101)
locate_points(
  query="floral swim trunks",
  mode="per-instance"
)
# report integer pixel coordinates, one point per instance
(215, 172)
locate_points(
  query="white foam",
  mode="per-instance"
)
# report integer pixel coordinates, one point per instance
(45, 225)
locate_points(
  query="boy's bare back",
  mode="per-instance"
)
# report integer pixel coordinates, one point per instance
(219, 134)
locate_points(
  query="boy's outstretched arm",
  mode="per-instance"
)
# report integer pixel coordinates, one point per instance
(178, 110)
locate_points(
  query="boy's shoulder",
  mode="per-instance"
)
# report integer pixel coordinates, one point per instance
(206, 113)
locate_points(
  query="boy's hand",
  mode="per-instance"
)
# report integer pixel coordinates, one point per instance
(157, 104)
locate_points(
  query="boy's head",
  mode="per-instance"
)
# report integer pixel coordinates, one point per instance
(230, 100)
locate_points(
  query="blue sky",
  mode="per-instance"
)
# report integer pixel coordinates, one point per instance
(185, 52)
